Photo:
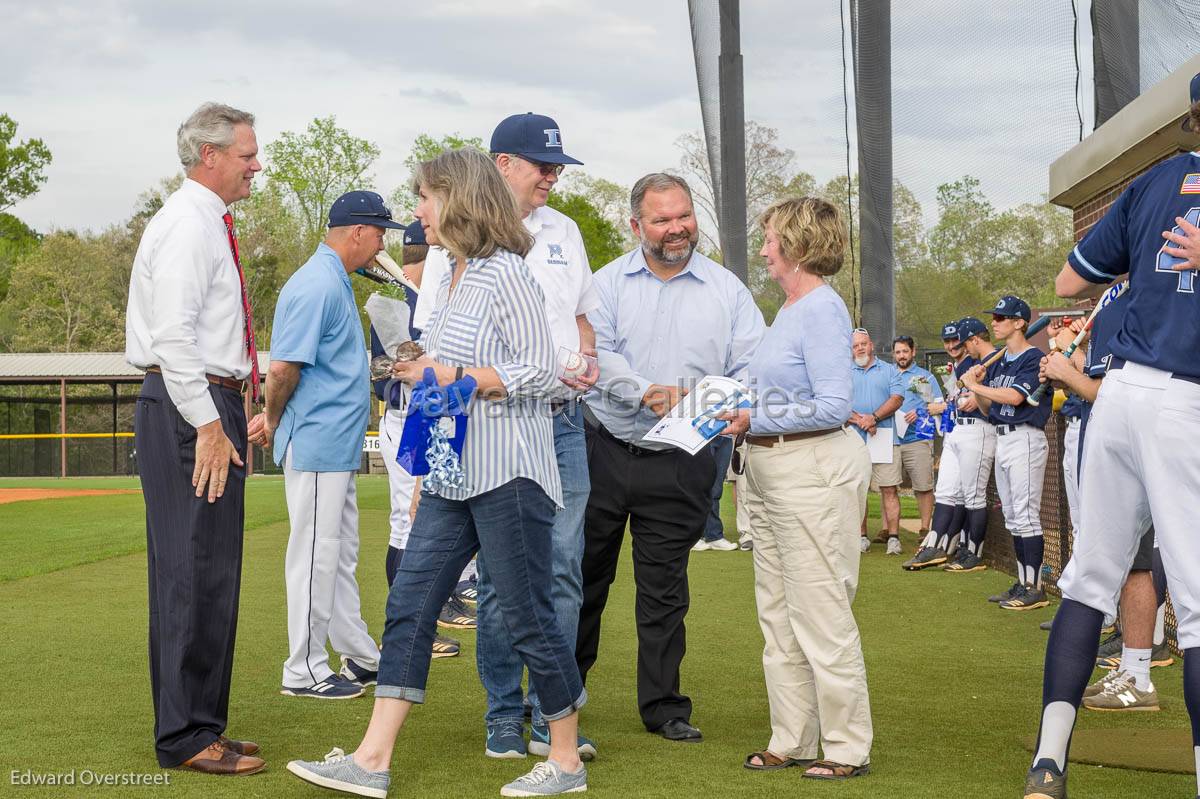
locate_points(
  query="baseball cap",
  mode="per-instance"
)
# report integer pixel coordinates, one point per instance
(361, 208)
(970, 326)
(949, 331)
(1193, 98)
(531, 136)
(1012, 306)
(414, 234)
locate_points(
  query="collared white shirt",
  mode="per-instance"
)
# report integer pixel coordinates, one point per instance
(185, 301)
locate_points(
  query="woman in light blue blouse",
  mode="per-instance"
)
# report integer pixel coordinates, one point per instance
(806, 482)
(490, 325)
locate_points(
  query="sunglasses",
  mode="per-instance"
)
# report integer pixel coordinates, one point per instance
(999, 317)
(546, 169)
(862, 330)
(386, 213)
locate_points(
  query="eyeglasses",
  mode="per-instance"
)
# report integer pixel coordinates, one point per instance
(546, 169)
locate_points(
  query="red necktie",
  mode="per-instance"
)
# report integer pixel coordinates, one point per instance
(249, 317)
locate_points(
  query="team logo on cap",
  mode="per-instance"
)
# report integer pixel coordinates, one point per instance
(553, 138)
(1000, 304)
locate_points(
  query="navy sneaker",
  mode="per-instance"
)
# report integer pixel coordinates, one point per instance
(539, 743)
(505, 740)
(333, 687)
(467, 592)
(456, 615)
(356, 673)
(1045, 781)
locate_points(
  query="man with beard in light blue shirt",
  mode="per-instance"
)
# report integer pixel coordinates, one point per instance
(668, 316)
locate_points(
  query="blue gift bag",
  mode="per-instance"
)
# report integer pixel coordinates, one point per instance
(925, 428)
(435, 430)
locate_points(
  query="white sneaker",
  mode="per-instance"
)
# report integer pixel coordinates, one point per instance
(745, 542)
(864, 544)
(893, 546)
(722, 545)
(701, 546)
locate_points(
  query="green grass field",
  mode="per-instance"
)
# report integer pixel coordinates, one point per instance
(955, 682)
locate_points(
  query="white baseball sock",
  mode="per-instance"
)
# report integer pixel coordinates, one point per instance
(1058, 719)
(1160, 625)
(1136, 663)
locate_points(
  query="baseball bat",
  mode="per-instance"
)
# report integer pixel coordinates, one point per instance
(382, 269)
(1030, 332)
(1106, 298)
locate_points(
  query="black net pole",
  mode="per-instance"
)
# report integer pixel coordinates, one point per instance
(1116, 55)
(873, 111)
(733, 143)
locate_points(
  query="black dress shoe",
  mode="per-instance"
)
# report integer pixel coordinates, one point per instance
(680, 730)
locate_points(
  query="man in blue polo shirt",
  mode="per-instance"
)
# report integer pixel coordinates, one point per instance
(318, 402)
(878, 394)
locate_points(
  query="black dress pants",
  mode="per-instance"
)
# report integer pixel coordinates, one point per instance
(664, 498)
(194, 556)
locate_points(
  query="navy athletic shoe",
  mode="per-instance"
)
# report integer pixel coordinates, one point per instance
(539, 743)
(1015, 589)
(356, 673)
(505, 740)
(1045, 781)
(334, 687)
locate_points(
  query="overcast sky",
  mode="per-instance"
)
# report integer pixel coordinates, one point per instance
(984, 89)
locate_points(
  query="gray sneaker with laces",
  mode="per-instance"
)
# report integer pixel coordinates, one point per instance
(339, 772)
(547, 779)
(1121, 693)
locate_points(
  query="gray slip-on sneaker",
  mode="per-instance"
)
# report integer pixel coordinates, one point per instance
(339, 772)
(547, 779)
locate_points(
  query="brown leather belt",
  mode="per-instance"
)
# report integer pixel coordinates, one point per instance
(770, 441)
(217, 380)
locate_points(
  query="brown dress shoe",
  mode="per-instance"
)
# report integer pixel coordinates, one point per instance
(217, 758)
(241, 747)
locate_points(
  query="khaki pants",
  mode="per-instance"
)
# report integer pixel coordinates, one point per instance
(806, 499)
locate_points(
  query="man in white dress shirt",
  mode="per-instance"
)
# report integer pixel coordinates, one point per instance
(528, 151)
(188, 324)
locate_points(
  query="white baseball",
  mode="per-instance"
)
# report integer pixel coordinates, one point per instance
(574, 366)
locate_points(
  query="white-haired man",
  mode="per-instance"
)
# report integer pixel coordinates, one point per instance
(188, 324)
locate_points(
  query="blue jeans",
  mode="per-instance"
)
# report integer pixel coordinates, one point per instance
(510, 526)
(722, 449)
(500, 668)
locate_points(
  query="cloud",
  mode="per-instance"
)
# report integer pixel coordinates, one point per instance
(436, 96)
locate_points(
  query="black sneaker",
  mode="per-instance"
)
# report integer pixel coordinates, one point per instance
(1029, 598)
(1161, 655)
(1045, 781)
(1108, 656)
(928, 556)
(965, 564)
(1016, 588)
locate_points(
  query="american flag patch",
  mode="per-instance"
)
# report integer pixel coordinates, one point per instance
(1191, 184)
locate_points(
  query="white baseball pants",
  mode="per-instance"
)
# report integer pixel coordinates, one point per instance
(1140, 463)
(967, 455)
(400, 483)
(319, 570)
(1020, 469)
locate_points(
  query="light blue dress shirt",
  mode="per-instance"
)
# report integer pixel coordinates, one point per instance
(317, 326)
(913, 400)
(801, 371)
(702, 321)
(872, 387)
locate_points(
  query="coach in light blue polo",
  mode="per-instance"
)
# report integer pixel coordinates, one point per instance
(319, 390)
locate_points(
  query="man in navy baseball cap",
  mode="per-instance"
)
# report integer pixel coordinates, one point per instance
(950, 331)
(1011, 307)
(531, 137)
(969, 326)
(1193, 115)
(414, 234)
(361, 208)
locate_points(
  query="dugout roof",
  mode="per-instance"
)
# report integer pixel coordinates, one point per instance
(32, 368)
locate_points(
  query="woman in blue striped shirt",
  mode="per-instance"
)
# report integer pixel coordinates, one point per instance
(490, 325)
(806, 480)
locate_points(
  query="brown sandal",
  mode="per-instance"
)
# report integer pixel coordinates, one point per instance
(840, 771)
(769, 761)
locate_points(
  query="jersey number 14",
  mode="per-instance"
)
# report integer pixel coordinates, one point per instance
(1187, 279)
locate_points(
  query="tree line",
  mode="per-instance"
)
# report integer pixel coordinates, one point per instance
(65, 290)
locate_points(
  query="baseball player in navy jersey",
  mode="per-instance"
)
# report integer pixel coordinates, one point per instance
(949, 508)
(1141, 640)
(1140, 460)
(1021, 447)
(972, 445)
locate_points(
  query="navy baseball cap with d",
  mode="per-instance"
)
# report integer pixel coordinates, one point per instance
(1193, 98)
(970, 326)
(414, 233)
(531, 136)
(361, 208)
(950, 331)
(1011, 306)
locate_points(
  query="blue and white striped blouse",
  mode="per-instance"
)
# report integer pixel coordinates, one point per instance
(496, 317)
